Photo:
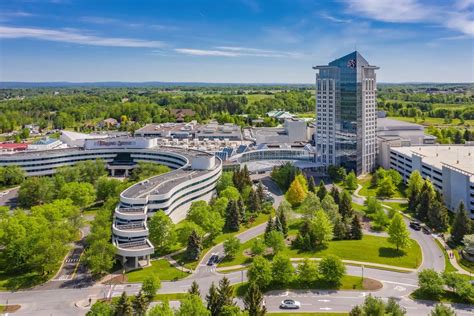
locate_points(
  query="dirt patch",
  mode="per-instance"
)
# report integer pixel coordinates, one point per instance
(10, 308)
(371, 284)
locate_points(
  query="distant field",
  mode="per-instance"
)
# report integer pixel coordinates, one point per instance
(432, 121)
(256, 97)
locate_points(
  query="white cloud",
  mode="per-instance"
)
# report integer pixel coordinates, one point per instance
(456, 17)
(72, 36)
(334, 19)
(236, 51)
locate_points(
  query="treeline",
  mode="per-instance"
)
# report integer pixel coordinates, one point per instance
(75, 110)
(451, 135)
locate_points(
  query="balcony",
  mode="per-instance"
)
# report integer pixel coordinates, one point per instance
(130, 230)
(134, 248)
(131, 213)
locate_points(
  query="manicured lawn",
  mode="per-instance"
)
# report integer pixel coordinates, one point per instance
(348, 282)
(375, 250)
(358, 207)
(160, 268)
(369, 190)
(170, 297)
(260, 219)
(432, 121)
(446, 297)
(448, 266)
(469, 266)
(402, 207)
(16, 281)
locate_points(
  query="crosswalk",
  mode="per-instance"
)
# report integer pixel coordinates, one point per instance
(72, 260)
(64, 277)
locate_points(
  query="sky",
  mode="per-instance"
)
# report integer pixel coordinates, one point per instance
(233, 41)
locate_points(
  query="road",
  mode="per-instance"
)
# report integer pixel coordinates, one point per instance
(9, 199)
(400, 285)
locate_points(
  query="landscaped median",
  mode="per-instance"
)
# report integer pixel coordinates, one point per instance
(370, 249)
(159, 268)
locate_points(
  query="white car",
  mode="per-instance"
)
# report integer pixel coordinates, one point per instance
(290, 304)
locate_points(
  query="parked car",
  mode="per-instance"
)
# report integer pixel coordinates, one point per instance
(415, 225)
(290, 304)
(213, 259)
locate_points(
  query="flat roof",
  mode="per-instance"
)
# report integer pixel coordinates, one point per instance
(388, 124)
(167, 127)
(457, 156)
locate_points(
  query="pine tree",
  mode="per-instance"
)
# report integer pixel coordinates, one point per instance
(254, 202)
(253, 301)
(339, 230)
(241, 208)
(438, 214)
(226, 293)
(260, 194)
(212, 299)
(283, 223)
(356, 228)
(232, 220)
(124, 307)
(277, 225)
(345, 205)
(193, 249)
(140, 304)
(321, 190)
(335, 194)
(270, 226)
(425, 201)
(312, 185)
(461, 225)
(194, 289)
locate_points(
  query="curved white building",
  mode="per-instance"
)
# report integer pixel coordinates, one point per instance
(193, 177)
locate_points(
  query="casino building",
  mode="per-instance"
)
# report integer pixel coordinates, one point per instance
(193, 177)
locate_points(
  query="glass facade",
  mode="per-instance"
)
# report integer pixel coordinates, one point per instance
(341, 110)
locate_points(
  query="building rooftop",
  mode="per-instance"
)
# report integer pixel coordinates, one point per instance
(45, 141)
(386, 124)
(167, 127)
(460, 157)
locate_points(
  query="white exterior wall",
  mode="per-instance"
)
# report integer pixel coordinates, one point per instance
(369, 123)
(325, 127)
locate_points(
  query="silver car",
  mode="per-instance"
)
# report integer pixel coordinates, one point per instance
(290, 304)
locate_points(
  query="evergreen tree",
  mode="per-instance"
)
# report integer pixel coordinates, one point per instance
(335, 195)
(311, 185)
(351, 181)
(270, 226)
(438, 214)
(321, 190)
(356, 228)
(340, 231)
(283, 223)
(140, 304)
(253, 301)
(260, 194)
(194, 289)
(345, 205)
(461, 225)
(425, 200)
(225, 293)
(193, 249)
(241, 208)
(212, 299)
(232, 220)
(124, 307)
(254, 202)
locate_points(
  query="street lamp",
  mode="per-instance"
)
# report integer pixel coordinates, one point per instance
(362, 272)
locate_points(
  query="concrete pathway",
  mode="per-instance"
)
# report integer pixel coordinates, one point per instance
(452, 259)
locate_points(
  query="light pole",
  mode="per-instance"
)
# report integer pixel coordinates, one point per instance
(241, 276)
(362, 273)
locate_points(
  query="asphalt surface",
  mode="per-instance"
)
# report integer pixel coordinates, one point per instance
(396, 284)
(10, 199)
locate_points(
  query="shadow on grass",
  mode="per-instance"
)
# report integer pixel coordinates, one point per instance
(390, 252)
(444, 297)
(17, 282)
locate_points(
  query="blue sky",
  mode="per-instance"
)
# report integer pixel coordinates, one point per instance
(251, 41)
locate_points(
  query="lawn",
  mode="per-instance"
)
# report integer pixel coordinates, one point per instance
(348, 282)
(445, 297)
(448, 266)
(433, 121)
(466, 265)
(160, 268)
(260, 219)
(369, 190)
(376, 250)
(169, 297)
(402, 207)
(16, 281)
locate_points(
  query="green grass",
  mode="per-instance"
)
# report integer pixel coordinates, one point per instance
(13, 281)
(448, 266)
(170, 297)
(466, 265)
(348, 282)
(252, 98)
(369, 190)
(160, 268)
(375, 250)
(432, 121)
(260, 219)
(402, 207)
(358, 207)
(445, 297)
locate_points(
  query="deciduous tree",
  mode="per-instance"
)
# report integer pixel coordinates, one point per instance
(398, 232)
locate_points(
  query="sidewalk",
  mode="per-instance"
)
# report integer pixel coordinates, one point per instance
(452, 259)
(349, 262)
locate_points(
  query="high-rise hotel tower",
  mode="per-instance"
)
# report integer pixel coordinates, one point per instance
(346, 115)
